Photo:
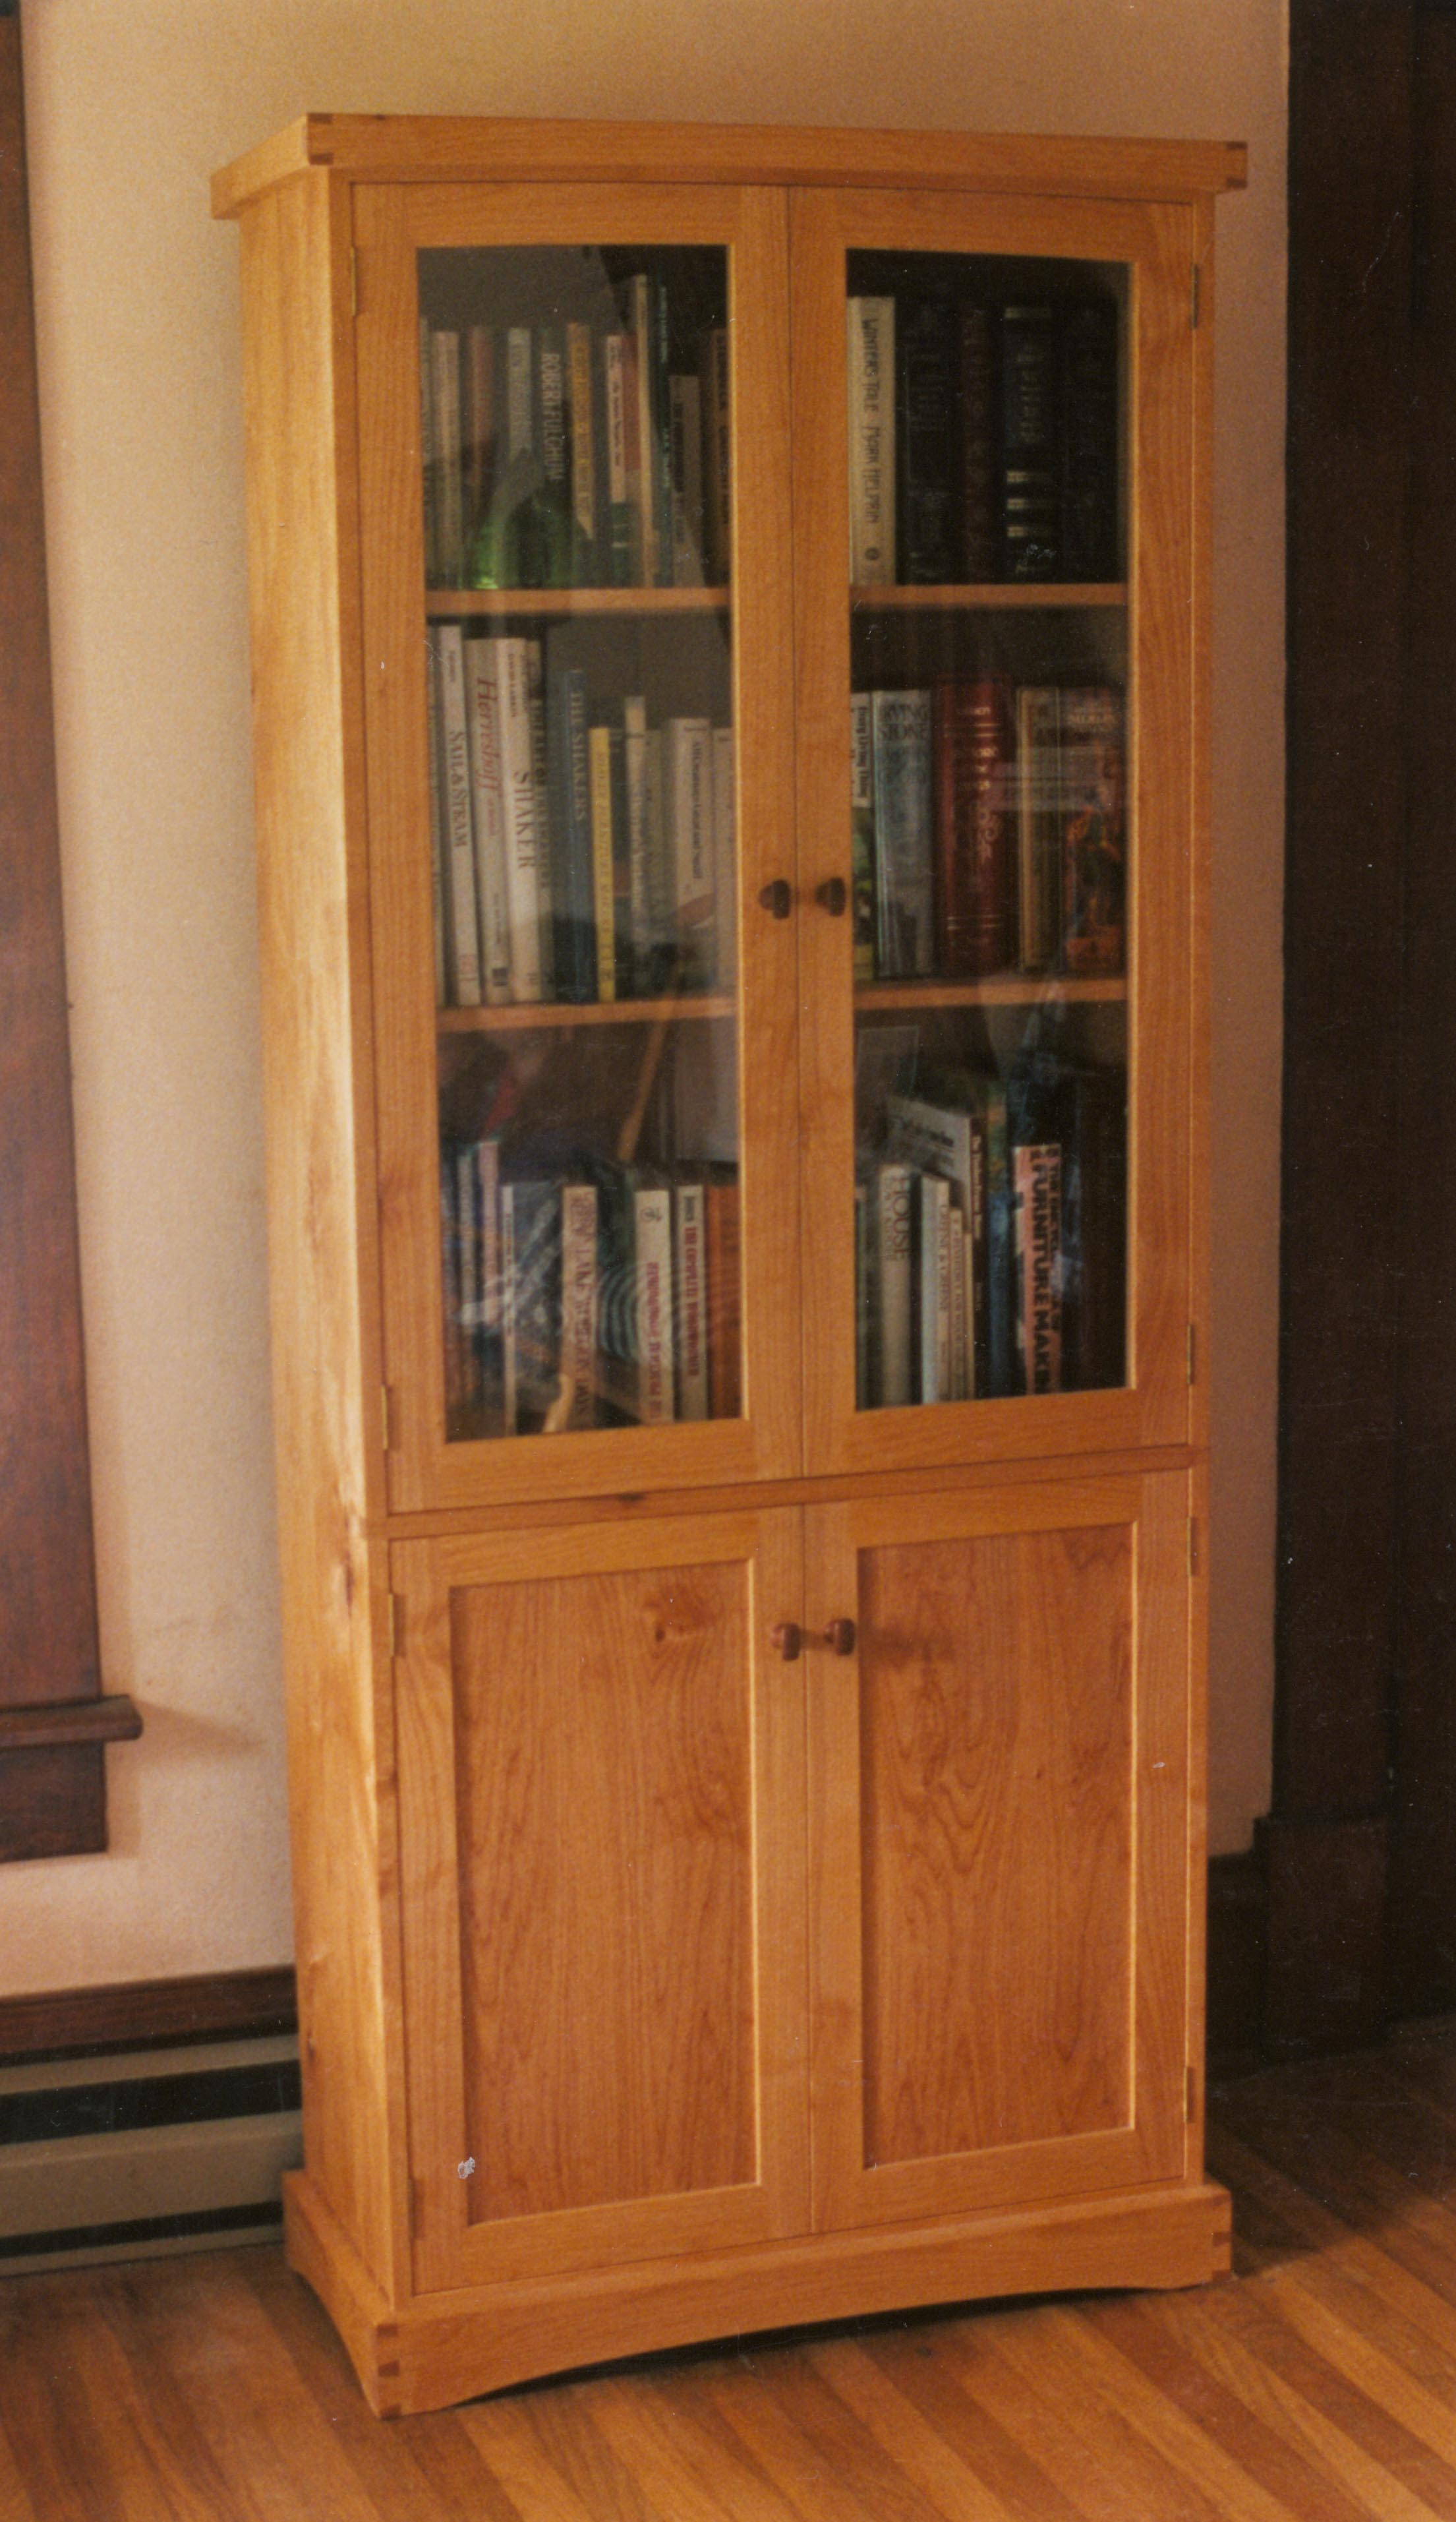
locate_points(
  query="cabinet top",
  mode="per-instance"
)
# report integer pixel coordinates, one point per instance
(386, 148)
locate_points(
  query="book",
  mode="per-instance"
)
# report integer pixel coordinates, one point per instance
(900, 729)
(949, 1139)
(656, 1374)
(685, 438)
(640, 318)
(586, 554)
(464, 949)
(644, 908)
(724, 856)
(724, 1299)
(1036, 1236)
(1029, 435)
(444, 358)
(603, 775)
(961, 1303)
(976, 423)
(690, 1298)
(894, 1197)
(872, 440)
(573, 910)
(924, 441)
(661, 427)
(862, 834)
(438, 839)
(624, 472)
(864, 1295)
(1090, 440)
(547, 514)
(687, 776)
(478, 386)
(482, 662)
(532, 1259)
(541, 803)
(1040, 817)
(517, 782)
(1094, 836)
(1092, 1122)
(717, 510)
(931, 1227)
(578, 1402)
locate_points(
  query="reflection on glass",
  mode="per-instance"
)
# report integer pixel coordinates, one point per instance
(989, 826)
(574, 428)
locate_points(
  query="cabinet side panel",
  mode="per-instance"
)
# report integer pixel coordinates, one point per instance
(313, 921)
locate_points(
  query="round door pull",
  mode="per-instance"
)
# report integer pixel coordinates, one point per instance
(777, 897)
(787, 1637)
(840, 1637)
(833, 896)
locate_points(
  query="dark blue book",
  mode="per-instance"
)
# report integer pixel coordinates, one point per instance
(574, 919)
(926, 440)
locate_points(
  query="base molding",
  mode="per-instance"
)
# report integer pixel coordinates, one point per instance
(439, 2349)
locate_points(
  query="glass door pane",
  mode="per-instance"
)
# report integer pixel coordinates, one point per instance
(989, 805)
(577, 503)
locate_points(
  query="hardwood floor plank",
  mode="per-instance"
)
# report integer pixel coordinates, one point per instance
(1026, 2485)
(828, 2472)
(1429, 2415)
(512, 2448)
(59, 2442)
(933, 2467)
(679, 2465)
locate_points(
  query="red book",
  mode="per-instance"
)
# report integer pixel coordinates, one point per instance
(975, 861)
(724, 1302)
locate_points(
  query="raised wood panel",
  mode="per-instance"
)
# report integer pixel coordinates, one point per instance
(602, 1786)
(998, 1845)
(996, 1752)
(391, 226)
(606, 1886)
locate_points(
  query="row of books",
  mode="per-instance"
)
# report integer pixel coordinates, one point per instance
(567, 455)
(990, 1237)
(578, 852)
(990, 829)
(606, 1301)
(982, 440)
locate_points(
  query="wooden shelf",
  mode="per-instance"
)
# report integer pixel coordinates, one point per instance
(1000, 990)
(709, 1007)
(489, 603)
(1021, 597)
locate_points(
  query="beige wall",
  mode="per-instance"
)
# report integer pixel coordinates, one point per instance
(129, 110)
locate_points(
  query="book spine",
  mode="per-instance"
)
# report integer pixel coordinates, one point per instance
(509, 1295)
(1094, 833)
(894, 1259)
(1000, 1307)
(958, 1257)
(685, 415)
(724, 1300)
(862, 834)
(468, 1218)
(689, 1273)
(622, 502)
(648, 974)
(539, 1304)
(429, 467)
(450, 512)
(654, 1362)
(1037, 1244)
(980, 557)
(604, 907)
(1039, 825)
(872, 440)
(479, 430)
(454, 1352)
(552, 505)
(438, 837)
(642, 328)
(990, 895)
(662, 412)
(585, 554)
(924, 441)
(482, 721)
(1031, 488)
(1090, 440)
(518, 819)
(578, 1337)
(687, 771)
(487, 1157)
(455, 758)
(520, 455)
(660, 880)
(906, 894)
(716, 455)
(864, 1296)
(931, 1284)
(724, 855)
(574, 956)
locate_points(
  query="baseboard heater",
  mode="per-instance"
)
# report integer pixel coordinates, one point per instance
(146, 2152)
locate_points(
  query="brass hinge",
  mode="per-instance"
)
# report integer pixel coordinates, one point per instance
(1190, 2095)
(1193, 1546)
(1192, 300)
(1193, 1352)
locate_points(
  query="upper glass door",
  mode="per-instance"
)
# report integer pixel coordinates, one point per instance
(570, 400)
(994, 665)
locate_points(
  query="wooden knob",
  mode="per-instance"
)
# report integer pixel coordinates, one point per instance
(833, 896)
(787, 1637)
(777, 897)
(840, 1637)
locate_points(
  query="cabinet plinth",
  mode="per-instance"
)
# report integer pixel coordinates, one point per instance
(730, 654)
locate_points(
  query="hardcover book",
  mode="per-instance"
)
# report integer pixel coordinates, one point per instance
(872, 440)
(905, 892)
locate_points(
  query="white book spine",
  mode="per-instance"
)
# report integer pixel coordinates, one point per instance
(546, 873)
(934, 1286)
(725, 855)
(872, 441)
(482, 667)
(685, 424)
(638, 843)
(444, 351)
(578, 1342)
(437, 819)
(519, 799)
(465, 950)
(687, 773)
(945, 1295)
(661, 895)
(690, 1267)
(510, 1373)
(894, 1190)
(655, 1363)
(960, 1313)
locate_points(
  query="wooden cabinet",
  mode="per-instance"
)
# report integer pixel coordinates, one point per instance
(733, 906)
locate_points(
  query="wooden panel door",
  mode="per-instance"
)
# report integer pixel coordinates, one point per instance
(969, 1007)
(999, 1774)
(656, 1063)
(602, 1796)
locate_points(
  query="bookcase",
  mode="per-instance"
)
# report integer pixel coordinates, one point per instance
(729, 616)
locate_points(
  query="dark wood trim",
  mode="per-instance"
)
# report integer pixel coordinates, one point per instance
(54, 1803)
(83, 1720)
(149, 2014)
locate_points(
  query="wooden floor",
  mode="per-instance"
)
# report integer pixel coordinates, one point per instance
(1318, 2381)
